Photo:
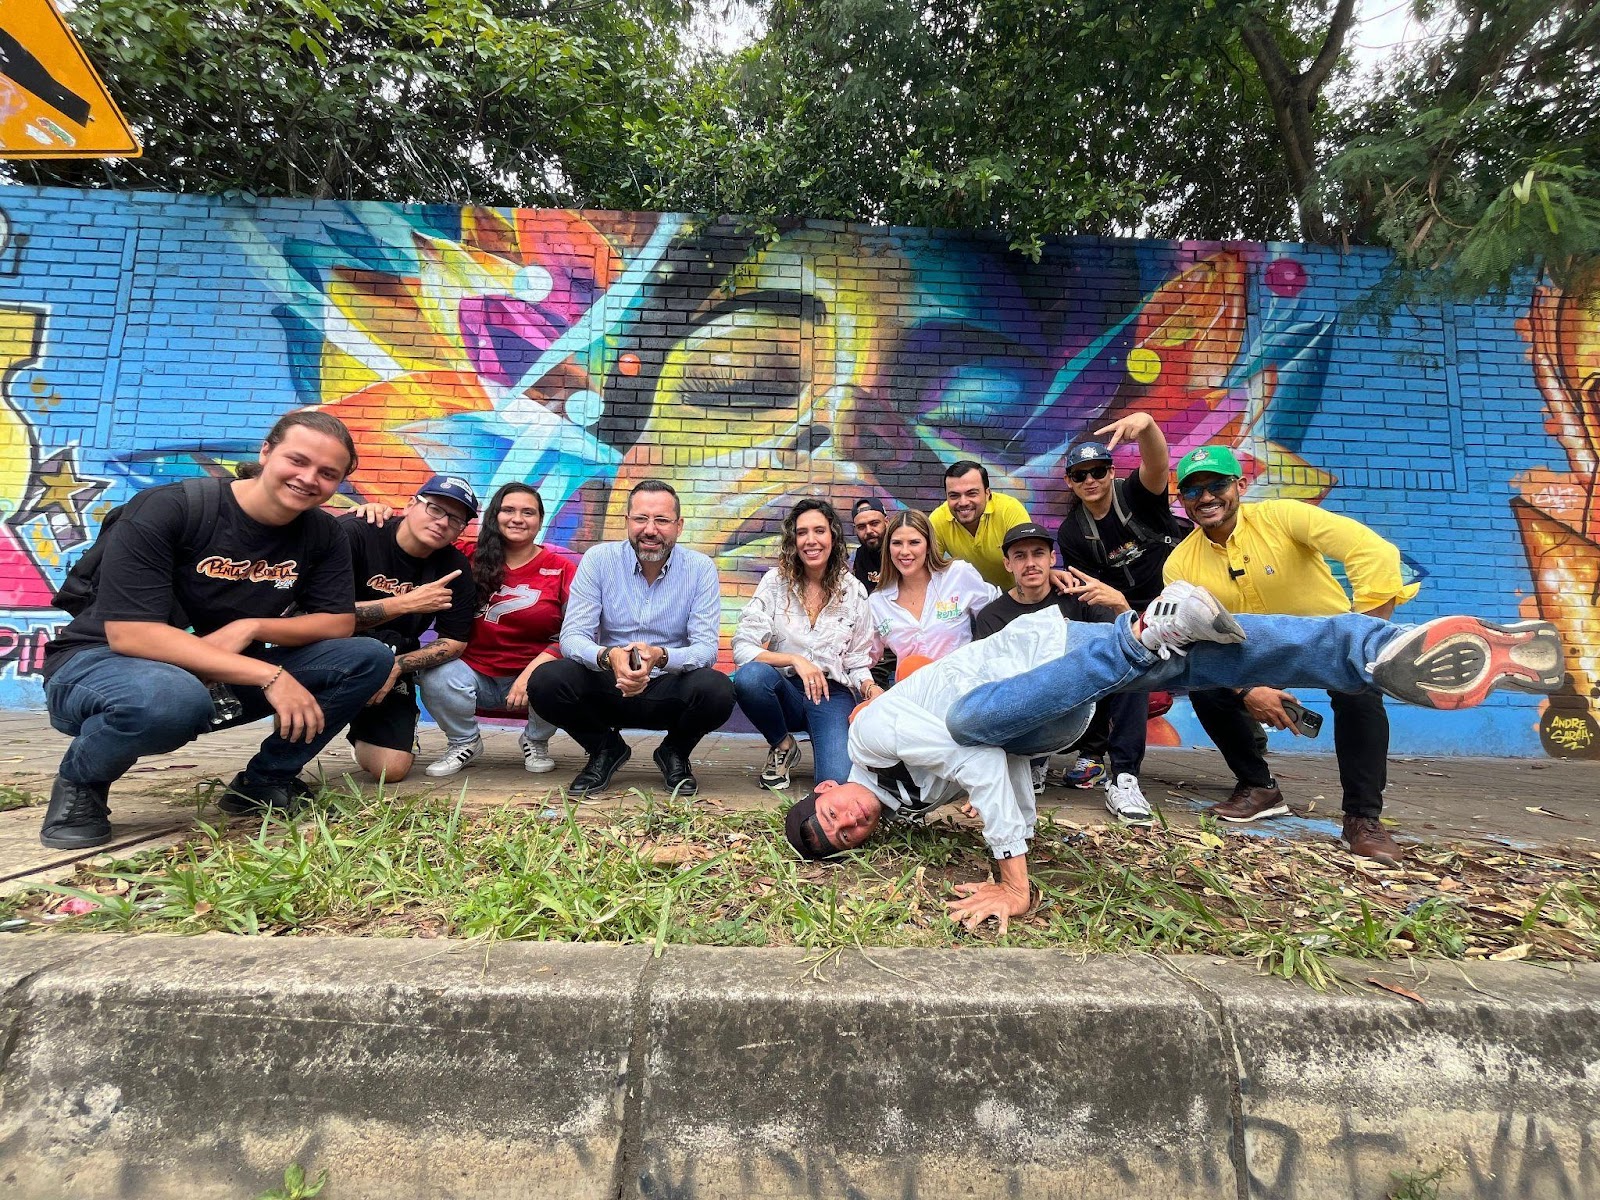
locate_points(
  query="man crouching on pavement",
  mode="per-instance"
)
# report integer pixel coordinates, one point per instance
(968, 724)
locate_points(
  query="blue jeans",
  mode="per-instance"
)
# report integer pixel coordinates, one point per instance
(777, 706)
(117, 709)
(1022, 713)
(454, 693)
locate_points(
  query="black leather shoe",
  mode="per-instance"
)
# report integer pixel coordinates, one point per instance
(602, 765)
(248, 797)
(78, 817)
(676, 771)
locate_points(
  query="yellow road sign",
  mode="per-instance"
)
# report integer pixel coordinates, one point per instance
(52, 104)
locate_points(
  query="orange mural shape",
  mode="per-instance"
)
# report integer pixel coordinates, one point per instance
(1558, 513)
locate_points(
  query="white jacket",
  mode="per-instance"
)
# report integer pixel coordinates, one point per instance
(906, 726)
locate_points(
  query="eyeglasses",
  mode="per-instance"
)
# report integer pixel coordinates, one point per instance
(1096, 472)
(1215, 488)
(438, 512)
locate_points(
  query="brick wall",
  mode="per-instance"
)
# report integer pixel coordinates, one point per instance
(148, 337)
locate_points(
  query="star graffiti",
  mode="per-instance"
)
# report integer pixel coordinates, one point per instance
(58, 494)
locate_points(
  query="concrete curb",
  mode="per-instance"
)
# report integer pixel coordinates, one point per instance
(200, 1067)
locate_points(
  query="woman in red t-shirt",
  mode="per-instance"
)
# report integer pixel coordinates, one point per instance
(522, 596)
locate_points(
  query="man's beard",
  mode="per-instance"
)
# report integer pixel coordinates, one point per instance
(652, 554)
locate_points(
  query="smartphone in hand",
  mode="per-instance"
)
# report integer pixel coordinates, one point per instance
(635, 659)
(1306, 723)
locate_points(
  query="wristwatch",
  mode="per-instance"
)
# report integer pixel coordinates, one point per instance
(603, 659)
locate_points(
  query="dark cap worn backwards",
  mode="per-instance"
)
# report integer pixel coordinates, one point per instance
(861, 506)
(1025, 531)
(804, 831)
(1086, 452)
(452, 487)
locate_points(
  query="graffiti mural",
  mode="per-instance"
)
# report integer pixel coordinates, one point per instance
(1558, 512)
(585, 351)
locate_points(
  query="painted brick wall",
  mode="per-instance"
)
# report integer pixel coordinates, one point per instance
(148, 337)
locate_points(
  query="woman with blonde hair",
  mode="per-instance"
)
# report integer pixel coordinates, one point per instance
(925, 599)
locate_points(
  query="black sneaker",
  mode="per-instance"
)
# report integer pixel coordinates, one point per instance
(602, 765)
(675, 770)
(78, 817)
(247, 797)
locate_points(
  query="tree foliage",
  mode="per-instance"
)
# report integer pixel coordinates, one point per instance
(1089, 116)
(439, 100)
(1478, 159)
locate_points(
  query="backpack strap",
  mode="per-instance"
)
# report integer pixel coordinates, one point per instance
(202, 500)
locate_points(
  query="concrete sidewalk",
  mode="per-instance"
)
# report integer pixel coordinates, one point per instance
(201, 1067)
(1526, 803)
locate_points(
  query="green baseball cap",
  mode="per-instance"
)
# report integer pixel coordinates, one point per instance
(1214, 460)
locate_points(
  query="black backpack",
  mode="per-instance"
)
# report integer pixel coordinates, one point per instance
(1177, 528)
(203, 501)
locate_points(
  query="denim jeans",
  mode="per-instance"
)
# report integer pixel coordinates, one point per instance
(1027, 710)
(454, 692)
(777, 706)
(117, 708)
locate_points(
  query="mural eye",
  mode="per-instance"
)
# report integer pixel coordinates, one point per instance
(978, 403)
(746, 360)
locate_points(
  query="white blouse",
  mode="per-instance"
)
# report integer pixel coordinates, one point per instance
(954, 594)
(840, 643)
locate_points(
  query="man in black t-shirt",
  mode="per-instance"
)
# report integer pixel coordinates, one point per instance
(129, 675)
(409, 578)
(1029, 555)
(870, 521)
(1119, 533)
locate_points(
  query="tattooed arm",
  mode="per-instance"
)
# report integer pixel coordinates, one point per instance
(435, 654)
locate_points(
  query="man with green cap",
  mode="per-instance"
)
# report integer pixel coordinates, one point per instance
(1272, 557)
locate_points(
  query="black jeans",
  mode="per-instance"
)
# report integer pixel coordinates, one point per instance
(1360, 742)
(1118, 731)
(587, 704)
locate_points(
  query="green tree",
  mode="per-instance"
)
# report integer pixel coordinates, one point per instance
(1478, 158)
(1090, 116)
(485, 101)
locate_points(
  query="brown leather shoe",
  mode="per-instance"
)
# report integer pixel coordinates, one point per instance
(1367, 838)
(1250, 804)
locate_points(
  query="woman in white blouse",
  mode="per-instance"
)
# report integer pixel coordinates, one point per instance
(925, 600)
(803, 648)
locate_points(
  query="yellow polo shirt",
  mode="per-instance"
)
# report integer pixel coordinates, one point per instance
(1275, 561)
(982, 549)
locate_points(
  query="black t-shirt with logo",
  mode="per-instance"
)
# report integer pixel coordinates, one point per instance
(246, 569)
(1129, 565)
(382, 570)
(1000, 612)
(866, 565)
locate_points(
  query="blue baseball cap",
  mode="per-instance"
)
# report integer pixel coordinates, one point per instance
(452, 487)
(1086, 452)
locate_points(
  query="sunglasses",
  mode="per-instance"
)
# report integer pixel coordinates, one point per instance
(1215, 488)
(1098, 472)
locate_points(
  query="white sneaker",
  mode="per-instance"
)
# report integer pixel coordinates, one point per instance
(1037, 767)
(1126, 802)
(1184, 614)
(456, 757)
(536, 755)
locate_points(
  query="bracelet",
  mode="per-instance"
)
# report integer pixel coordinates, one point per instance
(271, 681)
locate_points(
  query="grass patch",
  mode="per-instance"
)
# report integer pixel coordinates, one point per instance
(14, 797)
(678, 872)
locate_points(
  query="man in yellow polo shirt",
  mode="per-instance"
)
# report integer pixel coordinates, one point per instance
(972, 521)
(1272, 557)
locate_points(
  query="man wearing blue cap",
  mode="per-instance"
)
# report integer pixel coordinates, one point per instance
(1118, 532)
(409, 578)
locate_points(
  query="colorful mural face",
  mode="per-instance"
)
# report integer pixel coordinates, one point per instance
(1558, 512)
(586, 351)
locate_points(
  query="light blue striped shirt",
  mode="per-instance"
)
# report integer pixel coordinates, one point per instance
(610, 604)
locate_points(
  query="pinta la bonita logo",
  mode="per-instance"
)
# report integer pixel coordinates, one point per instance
(233, 570)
